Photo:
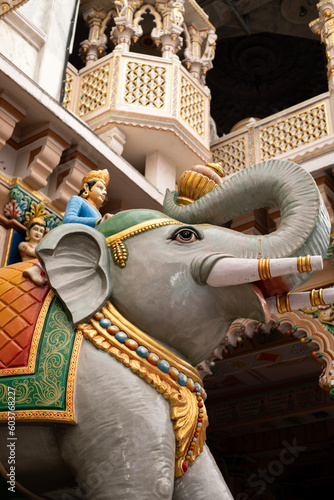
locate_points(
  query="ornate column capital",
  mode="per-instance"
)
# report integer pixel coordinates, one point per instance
(172, 26)
(126, 29)
(197, 60)
(94, 47)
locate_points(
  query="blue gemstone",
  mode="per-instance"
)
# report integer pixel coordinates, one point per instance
(182, 379)
(205, 397)
(105, 322)
(197, 386)
(164, 366)
(142, 351)
(121, 337)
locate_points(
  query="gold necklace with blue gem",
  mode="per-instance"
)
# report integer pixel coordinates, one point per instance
(175, 379)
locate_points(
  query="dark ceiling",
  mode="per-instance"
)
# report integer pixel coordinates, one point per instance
(261, 74)
(267, 58)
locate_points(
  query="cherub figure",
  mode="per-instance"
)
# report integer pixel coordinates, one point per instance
(177, 13)
(209, 52)
(121, 7)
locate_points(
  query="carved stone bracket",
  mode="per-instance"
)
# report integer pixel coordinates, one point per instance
(10, 115)
(67, 177)
(38, 156)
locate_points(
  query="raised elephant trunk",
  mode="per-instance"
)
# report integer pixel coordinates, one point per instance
(304, 228)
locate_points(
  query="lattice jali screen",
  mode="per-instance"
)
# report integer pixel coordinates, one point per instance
(145, 85)
(68, 90)
(192, 106)
(93, 91)
(293, 132)
(232, 156)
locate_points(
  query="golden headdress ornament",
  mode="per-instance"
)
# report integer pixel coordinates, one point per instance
(37, 215)
(96, 175)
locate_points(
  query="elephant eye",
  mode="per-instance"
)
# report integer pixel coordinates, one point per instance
(186, 235)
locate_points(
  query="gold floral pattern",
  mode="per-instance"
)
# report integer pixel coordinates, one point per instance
(48, 393)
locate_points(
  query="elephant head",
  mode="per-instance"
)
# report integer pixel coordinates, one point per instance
(155, 268)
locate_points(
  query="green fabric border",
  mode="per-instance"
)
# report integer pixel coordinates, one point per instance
(46, 388)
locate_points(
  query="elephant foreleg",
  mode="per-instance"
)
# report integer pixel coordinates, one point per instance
(203, 479)
(123, 446)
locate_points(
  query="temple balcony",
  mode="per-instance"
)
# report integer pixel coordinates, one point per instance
(147, 109)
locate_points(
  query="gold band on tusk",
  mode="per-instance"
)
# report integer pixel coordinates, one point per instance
(316, 298)
(283, 303)
(264, 269)
(304, 264)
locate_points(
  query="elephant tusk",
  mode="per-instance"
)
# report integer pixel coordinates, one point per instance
(288, 302)
(233, 271)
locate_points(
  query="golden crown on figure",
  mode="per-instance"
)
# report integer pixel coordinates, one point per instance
(37, 215)
(96, 175)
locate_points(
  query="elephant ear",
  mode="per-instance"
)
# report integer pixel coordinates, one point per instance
(77, 262)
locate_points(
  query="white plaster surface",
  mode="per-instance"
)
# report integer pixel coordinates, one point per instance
(17, 49)
(39, 12)
(53, 54)
(52, 18)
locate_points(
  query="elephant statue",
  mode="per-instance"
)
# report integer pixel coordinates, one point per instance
(137, 290)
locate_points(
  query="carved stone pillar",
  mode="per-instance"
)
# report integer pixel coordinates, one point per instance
(160, 171)
(125, 30)
(172, 27)
(209, 51)
(197, 63)
(94, 48)
(122, 38)
(324, 26)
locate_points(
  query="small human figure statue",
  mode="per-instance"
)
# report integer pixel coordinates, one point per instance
(35, 231)
(209, 52)
(83, 208)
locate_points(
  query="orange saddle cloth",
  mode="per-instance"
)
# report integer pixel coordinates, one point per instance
(20, 305)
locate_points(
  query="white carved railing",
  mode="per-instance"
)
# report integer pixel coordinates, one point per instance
(294, 133)
(146, 86)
